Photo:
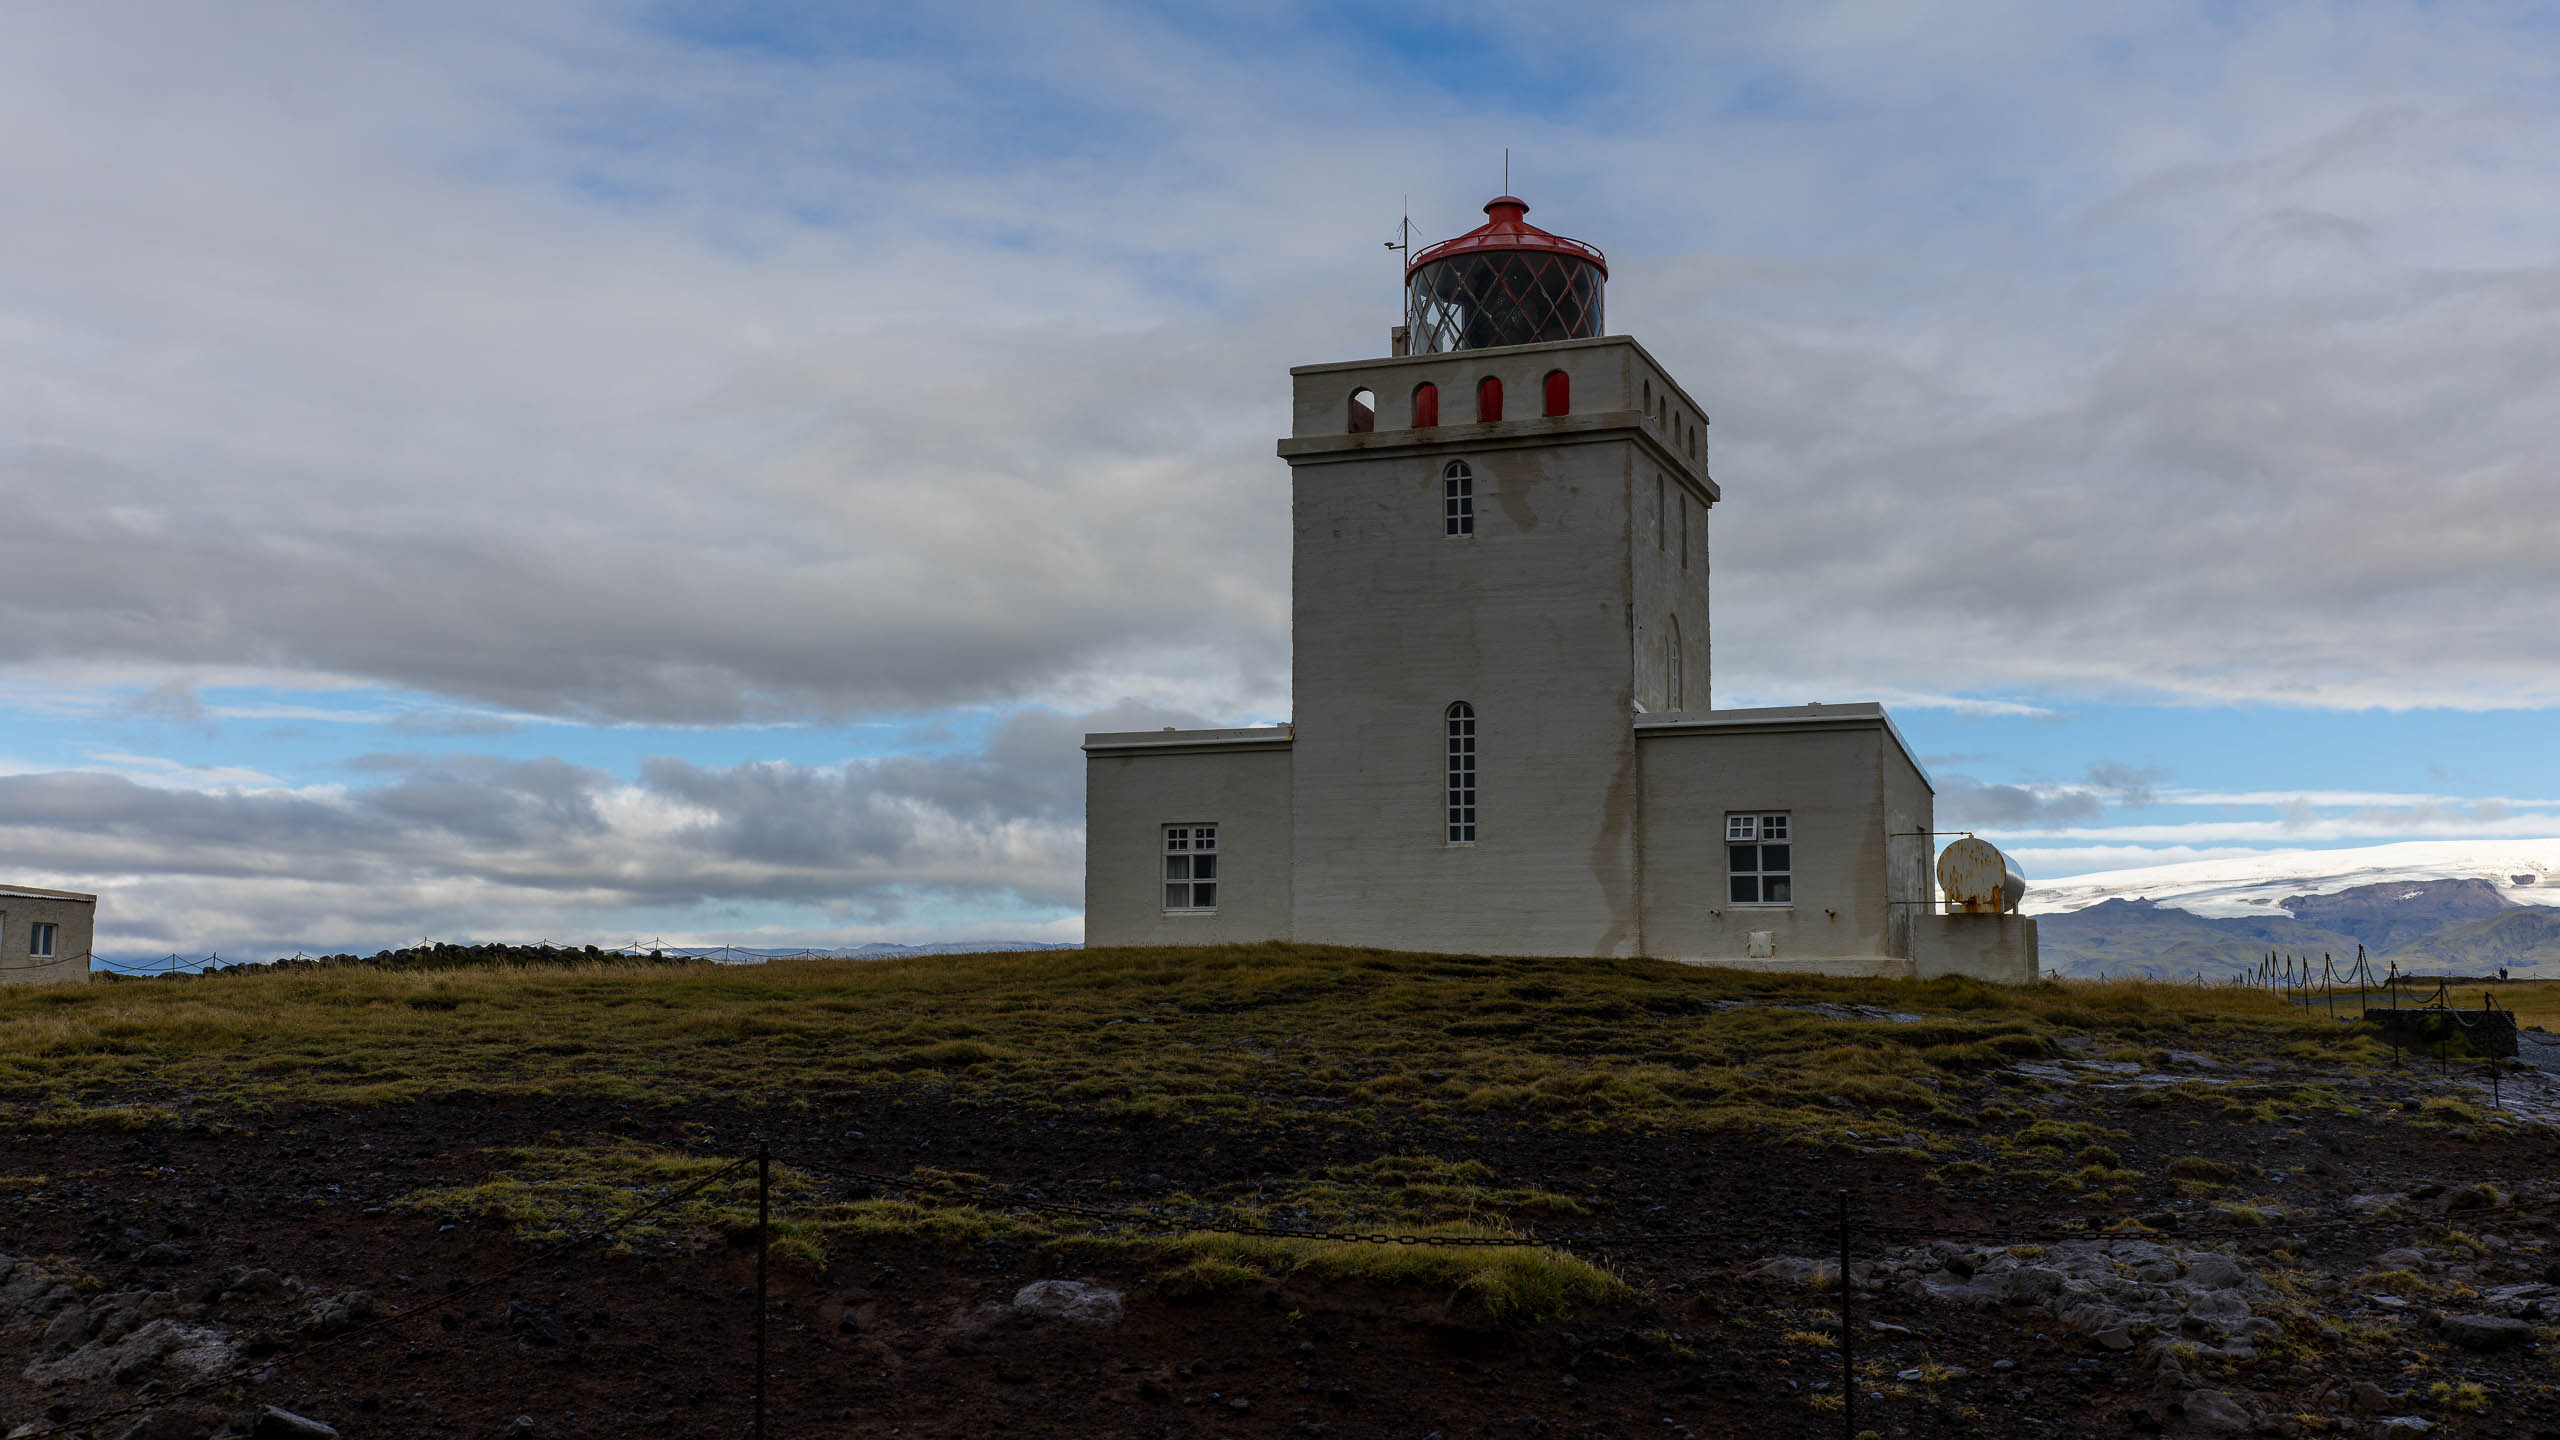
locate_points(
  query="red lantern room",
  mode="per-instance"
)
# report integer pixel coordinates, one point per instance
(1506, 282)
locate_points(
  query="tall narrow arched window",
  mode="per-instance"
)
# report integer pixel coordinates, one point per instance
(1426, 406)
(1488, 399)
(1364, 412)
(1559, 393)
(1458, 499)
(1462, 774)
(1672, 687)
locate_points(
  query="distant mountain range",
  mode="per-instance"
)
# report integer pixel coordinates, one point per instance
(2431, 907)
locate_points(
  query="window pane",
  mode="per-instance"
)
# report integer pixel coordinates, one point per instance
(1205, 838)
(1177, 897)
(1737, 827)
(1742, 859)
(1746, 889)
(1204, 867)
(1203, 896)
(1774, 857)
(1177, 839)
(1774, 889)
(1773, 827)
(1177, 867)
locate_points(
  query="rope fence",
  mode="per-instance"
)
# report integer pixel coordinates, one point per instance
(1848, 1228)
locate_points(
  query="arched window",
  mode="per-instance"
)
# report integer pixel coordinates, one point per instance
(1559, 393)
(1648, 399)
(1488, 400)
(1364, 412)
(1426, 406)
(1462, 774)
(1458, 499)
(1671, 679)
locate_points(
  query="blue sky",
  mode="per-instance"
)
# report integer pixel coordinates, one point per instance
(600, 470)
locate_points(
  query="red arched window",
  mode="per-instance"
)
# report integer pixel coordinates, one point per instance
(1426, 406)
(1559, 393)
(1488, 399)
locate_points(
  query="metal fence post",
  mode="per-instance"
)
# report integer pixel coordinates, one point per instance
(764, 1246)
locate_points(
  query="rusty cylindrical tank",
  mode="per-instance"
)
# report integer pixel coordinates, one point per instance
(1978, 880)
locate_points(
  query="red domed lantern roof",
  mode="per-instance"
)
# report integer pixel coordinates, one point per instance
(1508, 230)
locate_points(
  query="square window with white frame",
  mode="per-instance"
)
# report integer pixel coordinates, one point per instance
(1759, 858)
(40, 939)
(1190, 868)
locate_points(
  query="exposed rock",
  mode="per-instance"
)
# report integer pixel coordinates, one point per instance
(274, 1424)
(2401, 1427)
(520, 1428)
(1799, 1271)
(1081, 1301)
(2214, 1413)
(2029, 1284)
(2486, 1332)
(2401, 1259)
(2215, 1272)
(335, 1314)
(162, 1342)
(2369, 1398)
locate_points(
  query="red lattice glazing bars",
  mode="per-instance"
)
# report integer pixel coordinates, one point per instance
(1507, 282)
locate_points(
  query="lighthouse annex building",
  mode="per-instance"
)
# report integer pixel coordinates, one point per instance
(1503, 741)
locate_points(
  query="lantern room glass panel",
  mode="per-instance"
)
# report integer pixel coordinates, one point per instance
(1478, 300)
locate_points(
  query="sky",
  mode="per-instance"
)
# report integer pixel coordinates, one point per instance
(607, 472)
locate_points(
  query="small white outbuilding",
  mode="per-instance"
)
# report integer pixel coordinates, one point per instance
(45, 934)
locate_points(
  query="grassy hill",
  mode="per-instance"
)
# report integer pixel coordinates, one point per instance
(1609, 1149)
(2525, 941)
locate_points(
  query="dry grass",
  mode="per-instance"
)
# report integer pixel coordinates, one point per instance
(1234, 1032)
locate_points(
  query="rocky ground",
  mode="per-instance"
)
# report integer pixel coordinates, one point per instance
(2177, 1242)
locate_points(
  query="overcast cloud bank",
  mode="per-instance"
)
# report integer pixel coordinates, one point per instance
(707, 366)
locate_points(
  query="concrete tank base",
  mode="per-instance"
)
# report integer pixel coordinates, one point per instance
(1984, 946)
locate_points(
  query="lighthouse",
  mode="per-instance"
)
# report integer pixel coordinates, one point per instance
(1504, 741)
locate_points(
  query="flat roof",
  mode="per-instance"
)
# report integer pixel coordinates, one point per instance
(29, 892)
(1259, 737)
(1848, 715)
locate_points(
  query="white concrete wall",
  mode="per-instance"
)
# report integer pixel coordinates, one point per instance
(1135, 785)
(75, 918)
(1845, 784)
(1531, 621)
(1987, 947)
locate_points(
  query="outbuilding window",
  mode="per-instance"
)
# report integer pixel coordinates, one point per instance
(1190, 868)
(1759, 858)
(1559, 393)
(1426, 406)
(1458, 500)
(1462, 774)
(1489, 399)
(40, 939)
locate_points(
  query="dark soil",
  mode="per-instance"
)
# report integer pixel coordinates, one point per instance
(897, 1340)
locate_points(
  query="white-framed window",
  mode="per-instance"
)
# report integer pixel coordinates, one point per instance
(1190, 868)
(40, 939)
(1458, 499)
(1759, 849)
(1462, 774)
